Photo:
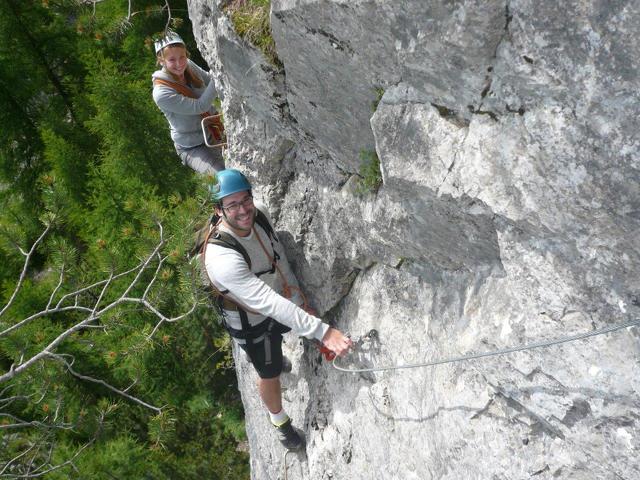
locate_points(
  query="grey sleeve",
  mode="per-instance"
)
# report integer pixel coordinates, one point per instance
(171, 101)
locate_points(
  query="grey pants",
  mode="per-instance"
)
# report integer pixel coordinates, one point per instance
(202, 159)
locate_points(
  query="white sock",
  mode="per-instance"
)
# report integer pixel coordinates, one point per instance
(279, 418)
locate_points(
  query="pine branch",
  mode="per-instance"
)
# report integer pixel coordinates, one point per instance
(27, 259)
(14, 459)
(55, 290)
(123, 393)
(94, 312)
(45, 467)
(33, 423)
(37, 50)
(162, 318)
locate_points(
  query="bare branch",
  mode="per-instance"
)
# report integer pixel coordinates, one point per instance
(33, 423)
(43, 314)
(55, 290)
(146, 263)
(103, 383)
(45, 352)
(155, 276)
(38, 472)
(104, 283)
(95, 313)
(102, 292)
(5, 402)
(56, 467)
(135, 382)
(163, 318)
(86, 323)
(97, 284)
(8, 464)
(28, 256)
(166, 27)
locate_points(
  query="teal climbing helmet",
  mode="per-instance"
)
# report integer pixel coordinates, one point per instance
(230, 181)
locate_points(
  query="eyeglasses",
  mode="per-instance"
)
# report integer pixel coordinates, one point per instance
(235, 207)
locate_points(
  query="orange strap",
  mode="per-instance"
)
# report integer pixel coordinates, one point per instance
(287, 288)
(216, 128)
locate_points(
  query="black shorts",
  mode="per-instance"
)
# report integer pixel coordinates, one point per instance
(265, 352)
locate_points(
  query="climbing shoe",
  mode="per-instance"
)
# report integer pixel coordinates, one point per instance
(286, 365)
(288, 436)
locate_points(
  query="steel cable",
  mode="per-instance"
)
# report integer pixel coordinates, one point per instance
(503, 351)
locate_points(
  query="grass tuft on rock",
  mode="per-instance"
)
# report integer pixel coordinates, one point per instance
(370, 175)
(250, 19)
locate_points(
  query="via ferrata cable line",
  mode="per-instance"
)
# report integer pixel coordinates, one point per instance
(472, 356)
(503, 351)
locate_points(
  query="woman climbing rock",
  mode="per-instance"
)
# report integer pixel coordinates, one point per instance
(184, 92)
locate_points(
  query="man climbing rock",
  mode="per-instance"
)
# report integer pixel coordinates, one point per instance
(259, 298)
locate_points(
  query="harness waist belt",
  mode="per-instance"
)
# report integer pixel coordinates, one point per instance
(229, 305)
(253, 334)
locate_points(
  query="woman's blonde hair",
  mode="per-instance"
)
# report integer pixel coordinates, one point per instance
(190, 76)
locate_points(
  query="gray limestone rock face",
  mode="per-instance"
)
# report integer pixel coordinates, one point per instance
(509, 212)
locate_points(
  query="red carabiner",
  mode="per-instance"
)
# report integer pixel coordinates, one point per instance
(326, 353)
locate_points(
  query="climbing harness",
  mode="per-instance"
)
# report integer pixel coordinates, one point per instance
(213, 236)
(248, 333)
(472, 356)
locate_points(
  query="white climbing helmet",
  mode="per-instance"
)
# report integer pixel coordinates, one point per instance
(171, 38)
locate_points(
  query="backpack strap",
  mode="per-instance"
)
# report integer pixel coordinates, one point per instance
(263, 222)
(226, 240)
(223, 239)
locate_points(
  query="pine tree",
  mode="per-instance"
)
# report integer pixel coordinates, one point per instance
(86, 155)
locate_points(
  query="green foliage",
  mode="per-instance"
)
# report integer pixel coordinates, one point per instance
(83, 148)
(370, 175)
(379, 91)
(35, 92)
(250, 20)
(121, 457)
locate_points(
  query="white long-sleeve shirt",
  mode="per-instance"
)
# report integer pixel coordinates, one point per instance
(228, 270)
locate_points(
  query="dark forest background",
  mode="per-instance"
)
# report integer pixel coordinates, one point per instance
(96, 220)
